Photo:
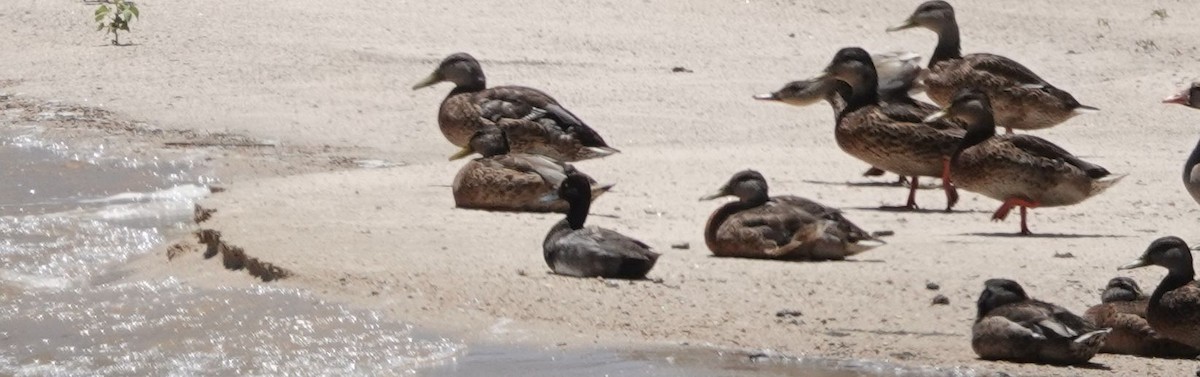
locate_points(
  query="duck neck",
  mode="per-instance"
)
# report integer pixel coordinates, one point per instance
(981, 129)
(578, 212)
(1176, 278)
(949, 46)
(1191, 161)
(864, 92)
(838, 93)
(476, 82)
(729, 209)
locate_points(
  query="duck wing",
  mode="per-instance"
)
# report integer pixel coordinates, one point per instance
(852, 230)
(1004, 67)
(1040, 147)
(518, 102)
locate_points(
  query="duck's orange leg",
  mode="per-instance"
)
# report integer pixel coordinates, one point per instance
(912, 198)
(1002, 213)
(948, 186)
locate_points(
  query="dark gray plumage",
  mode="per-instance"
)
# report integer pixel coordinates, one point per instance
(1011, 326)
(574, 250)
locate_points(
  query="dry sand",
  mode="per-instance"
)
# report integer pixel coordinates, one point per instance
(328, 82)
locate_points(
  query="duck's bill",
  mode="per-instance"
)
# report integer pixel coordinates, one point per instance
(715, 194)
(464, 152)
(433, 78)
(908, 24)
(1135, 264)
(935, 116)
(767, 97)
(1177, 98)
(548, 197)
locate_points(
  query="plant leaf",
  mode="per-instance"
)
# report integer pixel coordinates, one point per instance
(100, 27)
(133, 9)
(126, 15)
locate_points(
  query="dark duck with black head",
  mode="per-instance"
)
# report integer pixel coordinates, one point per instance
(1011, 326)
(891, 137)
(1020, 170)
(1123, 309)
(758, 225)
(1174, 308)
(572, 249)
(503, 181)
(1190, 97)
(1021, 98)
(535, 122)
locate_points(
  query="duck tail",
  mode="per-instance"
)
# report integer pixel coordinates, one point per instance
(1098, 186)
(860, 246)
(600, 189)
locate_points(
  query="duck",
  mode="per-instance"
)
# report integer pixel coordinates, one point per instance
(1123, 309)
(1011, 326)
(1022, 99)
(572, 249)
(535, 122)
(1022, 171)
(1190, 97)
(899, 73)
(893, 138)
(758, 225)
(1174, 307)
(503, 181)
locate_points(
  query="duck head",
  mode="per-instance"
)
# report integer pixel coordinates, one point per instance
(1121, 289)
(1169, 252)
(932, 15)
(1189, 97)
(852, 65)
(747, 185)
(997, 293)
(576, 190)
(460, 68)
(488, 141)
(799, 93)
(973, 107)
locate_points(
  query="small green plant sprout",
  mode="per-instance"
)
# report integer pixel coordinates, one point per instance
(113, 16)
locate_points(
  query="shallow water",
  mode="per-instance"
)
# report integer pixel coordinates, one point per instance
(69, 222)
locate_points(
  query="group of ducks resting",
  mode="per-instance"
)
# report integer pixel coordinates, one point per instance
(526, 138)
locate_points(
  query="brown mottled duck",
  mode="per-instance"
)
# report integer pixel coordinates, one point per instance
(1020, 170)
(781, 227)
(1123, 309)
(535, 122)
(1022, 100)
(500, 181)
(1174, 308)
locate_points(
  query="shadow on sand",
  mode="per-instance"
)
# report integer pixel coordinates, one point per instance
(1044, 235)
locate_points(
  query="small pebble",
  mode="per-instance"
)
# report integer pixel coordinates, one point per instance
(681, 246)
(521, 272)
(1064, 255)
(883, 233)
(788, 313)
(681, 70)
(611, 284)
(941, 300)
(932, 286)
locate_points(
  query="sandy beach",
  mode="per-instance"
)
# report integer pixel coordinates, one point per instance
(335, 178)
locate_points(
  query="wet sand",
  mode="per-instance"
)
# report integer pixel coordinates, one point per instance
(323, 88)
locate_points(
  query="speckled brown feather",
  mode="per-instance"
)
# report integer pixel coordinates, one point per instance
(1177, 316)
(1016, 104)
(509, 183)
(1131, 333)
(1004, 167)
(905, 148)
(534, 121)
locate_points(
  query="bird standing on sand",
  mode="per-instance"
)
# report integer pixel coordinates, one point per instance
(1022, 100)
(890, 137)
(534, 121)
(1190, 97)
(1021, 170)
